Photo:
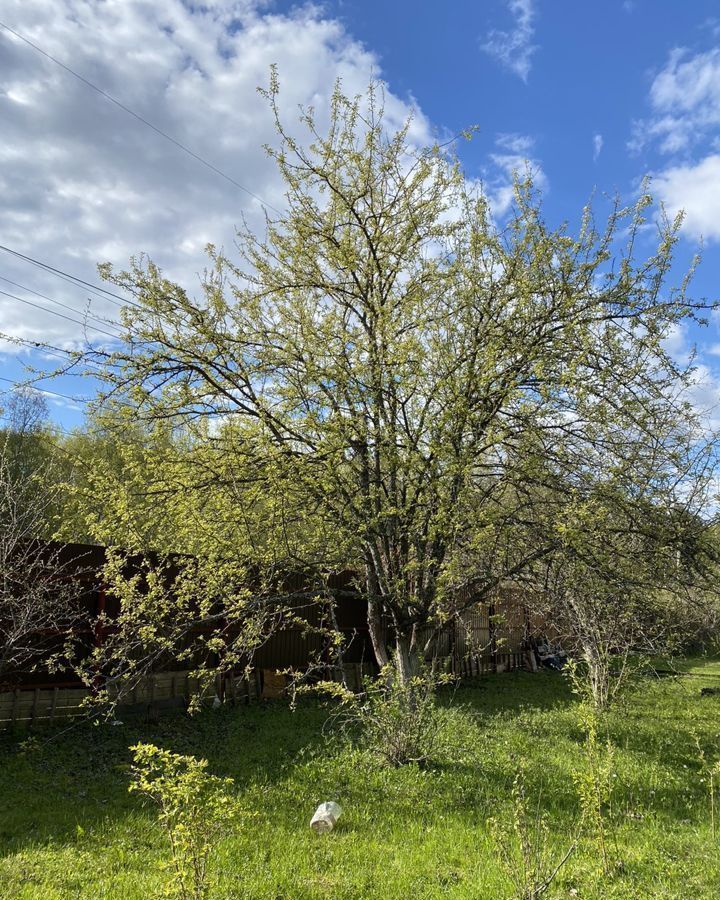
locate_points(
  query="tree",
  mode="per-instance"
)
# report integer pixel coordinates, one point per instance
(624, 582)
(25, 418)
(41, 610)
(26, 411)
(635, 553)
(388, 377)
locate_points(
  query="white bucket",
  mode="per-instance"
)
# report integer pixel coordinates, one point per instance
(326, 816)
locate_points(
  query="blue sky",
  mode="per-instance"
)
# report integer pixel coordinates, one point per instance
(595, 94)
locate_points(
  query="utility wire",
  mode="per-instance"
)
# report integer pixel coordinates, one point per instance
(36, 345)
(140, 118)
(61, 315)
(108, 322)
(42, 390)
(74, 279)
(50, 348)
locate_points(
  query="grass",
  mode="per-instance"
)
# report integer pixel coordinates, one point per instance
(69, 828)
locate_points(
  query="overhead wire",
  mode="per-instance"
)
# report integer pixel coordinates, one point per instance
(74, 279)
(109, 295)
(42, 390)
(108, 322)
(36, 345)
(142, 119)
(50, 349)
(54, 394)
(61, 315)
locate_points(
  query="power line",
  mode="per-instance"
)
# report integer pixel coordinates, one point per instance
(38, 345)
(42, 390)
(140, 118)
(56, 427)
(23, 287)
(124, 301)
(61, 315)
(50, 348)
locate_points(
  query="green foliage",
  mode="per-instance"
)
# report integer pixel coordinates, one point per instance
(594, 782)
(388, 380)
(709, 773)
(398, 719)
(522, 838)
(408, 831)
(42, 615)
(194, 809)
(178, 609)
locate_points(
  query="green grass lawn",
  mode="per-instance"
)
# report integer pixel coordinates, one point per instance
(70, 829)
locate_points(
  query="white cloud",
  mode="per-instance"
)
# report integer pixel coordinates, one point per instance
(685, 102)
(83, 182)
(694, 188)
(513, 158)
(514, 48)
(597, 146)
(515, 143)
(703, 390)
(704, 395)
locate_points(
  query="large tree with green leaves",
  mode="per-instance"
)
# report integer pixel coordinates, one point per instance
(389, 379)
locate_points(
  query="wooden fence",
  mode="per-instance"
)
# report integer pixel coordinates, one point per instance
(43, 705)
(473, 665)
(40, 705)
(30, 706)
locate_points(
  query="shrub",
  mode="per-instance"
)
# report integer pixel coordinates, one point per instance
(522, 840)
(399, 720)
(193, 807)
(594, 782)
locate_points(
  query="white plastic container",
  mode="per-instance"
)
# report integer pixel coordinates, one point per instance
(326, 816)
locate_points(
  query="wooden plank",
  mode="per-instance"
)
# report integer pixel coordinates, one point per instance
(233, 689)
(274, 684)
(36, 698)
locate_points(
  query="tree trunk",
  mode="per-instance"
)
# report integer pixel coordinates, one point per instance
(598, 675)
(406, 661)
(378, 635)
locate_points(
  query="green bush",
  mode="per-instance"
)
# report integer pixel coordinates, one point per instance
(193, 807)
(399, 721)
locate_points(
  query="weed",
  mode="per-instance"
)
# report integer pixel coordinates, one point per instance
(524, 847)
